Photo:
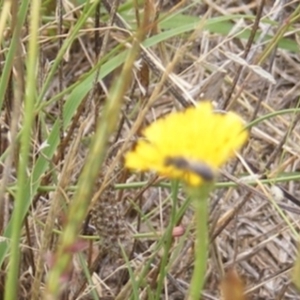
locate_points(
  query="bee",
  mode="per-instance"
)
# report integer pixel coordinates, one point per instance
(199, 168)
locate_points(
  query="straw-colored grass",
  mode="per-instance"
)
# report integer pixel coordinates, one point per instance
(79, 81)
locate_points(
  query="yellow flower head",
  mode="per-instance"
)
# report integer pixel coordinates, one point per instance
(188, 145)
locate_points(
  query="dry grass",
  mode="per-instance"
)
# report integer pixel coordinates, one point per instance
(252, 229)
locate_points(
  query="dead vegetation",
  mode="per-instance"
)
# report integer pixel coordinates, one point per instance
(244, 57)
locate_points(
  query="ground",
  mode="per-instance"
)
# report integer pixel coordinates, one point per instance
(243, 56)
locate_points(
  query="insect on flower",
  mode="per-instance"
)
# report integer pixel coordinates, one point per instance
(199, 168)
(205, 140)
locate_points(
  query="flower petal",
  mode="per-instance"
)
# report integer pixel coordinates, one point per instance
(196, 135)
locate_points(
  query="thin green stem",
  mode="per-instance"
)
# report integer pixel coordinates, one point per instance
(9, 58)
(80, 203)
(30, 95)
(167, 241)
(200, 196)
(73, 34)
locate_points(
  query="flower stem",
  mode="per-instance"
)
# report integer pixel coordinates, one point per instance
(200, 196)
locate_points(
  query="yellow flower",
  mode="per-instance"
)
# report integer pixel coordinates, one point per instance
(189, 145)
